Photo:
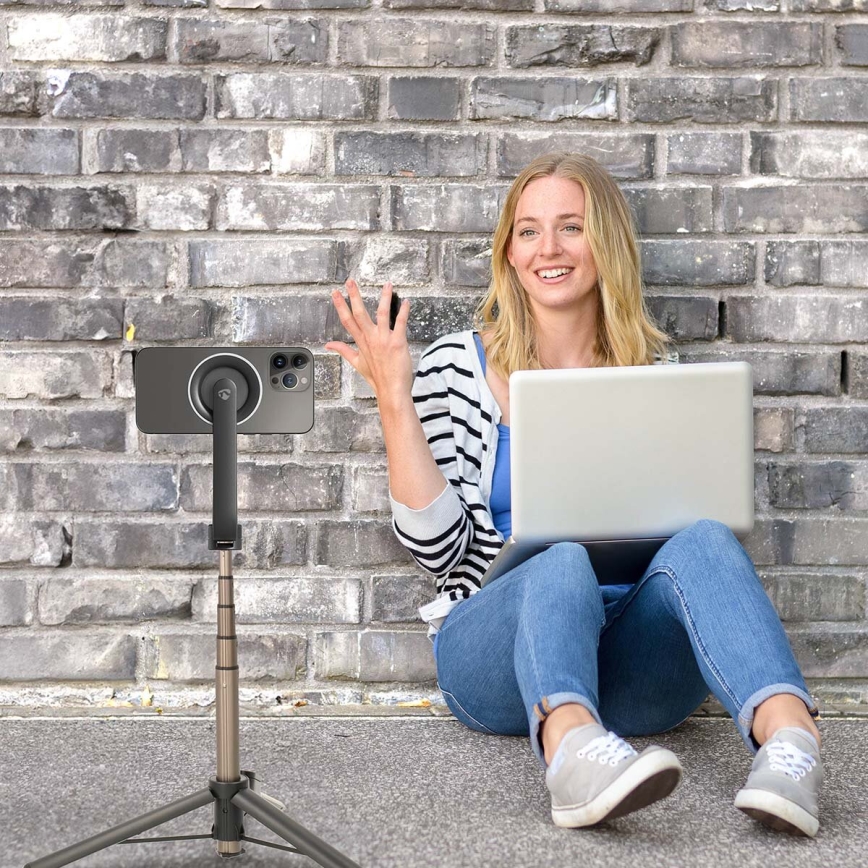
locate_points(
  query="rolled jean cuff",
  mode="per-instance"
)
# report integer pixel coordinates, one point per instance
(544, 708)
(746, 715)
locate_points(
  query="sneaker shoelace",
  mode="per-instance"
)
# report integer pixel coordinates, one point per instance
(789, 759)
(607, 749)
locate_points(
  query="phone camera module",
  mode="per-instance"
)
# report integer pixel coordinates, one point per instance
(279, 361)
(290, 381)
(299, 361)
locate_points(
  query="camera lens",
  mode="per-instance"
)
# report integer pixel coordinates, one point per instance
(279, 362)
(290, 381)
(299, 361)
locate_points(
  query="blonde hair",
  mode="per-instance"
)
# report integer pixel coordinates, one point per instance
(626, 334)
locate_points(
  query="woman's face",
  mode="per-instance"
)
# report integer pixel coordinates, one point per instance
(547, 232)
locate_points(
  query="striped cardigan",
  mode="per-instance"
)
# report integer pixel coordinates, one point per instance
(454, 537)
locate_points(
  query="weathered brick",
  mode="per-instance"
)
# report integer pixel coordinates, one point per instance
(790, 262)
(609, 6)
(297, 152)
(54, 374)
(832, 429)
(676, 210)
(389, 655)
(336, 655)
(446, 207)
(796, 319)
(831, 650)
(717, 100)
(342, 429)
(857, 374)
(818, 485)
(26, 318)
(285, 487)
(545, 98)
(465, 262)
(773, 428)
(852, 42)
(744, 5)
(177, 544)
(15, 608)
(186, 444)
(698, 263)
(29, 540)
(183, 207)
(132, 263)
(410, 154)
(299, 206)
(579, 45)
(746, 43)
(819, 597)
(829, 5)
(833, 100)
(295, 97)
(685, 318)
(303, 600)
(485, 5)
(103, 655)
(170, 319)
(89, 430)
(804, 208)
(404, 261)
(423, 98)
(39, 152)
(810, 154)
(19, 93)
(214, 150)
(370, 490)
(292, 4)
(293, 41)
(96, 207)
(178, 656)
(625, 156)
(397, 598)
(126, 95)
(56, 37)
(357, 544)
(416, 42)
(704, 153)
(92, 600)
(137, 151)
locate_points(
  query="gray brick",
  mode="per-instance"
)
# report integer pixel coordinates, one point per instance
(342, 429)
(464, 5)
(852, 42)
(746, 43)
(26, 318)
(137, 151)
(19, 93)
(609, 6)
(88, 430)
(844, 262)
(796, 319)
(857, 374)
(831, 650)
(829, 5)
(274, 262)
(416, 42)
(286, 487)
(297, 151)
(810, 154)
(423, 98)
(676, 210)
(770, 542)
(91, 600)
(698, 263)
(788, 263)
(357, 544)
(818, 597)
(95, 207)
(299, 207)
(777, 372)
(177, 656)
(685, 318)
(54, 374)
(336, 655)
(170, 319)
(465, 262)
(833, 100)
(103, 655)
(370, 490)
(178, 544)
(404, 261)
(30, 540)
(186, 444)
(410, 154)
(55, 37)
(94, 486)
(704, 153)
(773, 429)
(833, 429)
(397, 598)
(579, 45)
(214, 150)
(818, 485)
(718, 100)
(184, 4)
(15, 608)
(294, 96)
(126, 95)
(293, 4)
(804, 208)
(744, 5)
(830, 541)
(390, 656)
(182, 207)
(447, 207)
(133, 263)
(260, 600)
(624, 155)
(545, 98)
(39, 152)
(292, 41)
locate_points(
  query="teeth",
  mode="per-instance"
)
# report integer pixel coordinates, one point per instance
(554, 272)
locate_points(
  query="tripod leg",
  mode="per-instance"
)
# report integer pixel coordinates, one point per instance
(279, 823)
(125, 830)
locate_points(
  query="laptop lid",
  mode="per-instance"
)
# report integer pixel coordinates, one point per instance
(634, 452)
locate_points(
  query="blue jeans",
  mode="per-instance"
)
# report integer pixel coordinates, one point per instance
(540, 636)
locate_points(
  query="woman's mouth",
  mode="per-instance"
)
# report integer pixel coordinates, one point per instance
(557, 279)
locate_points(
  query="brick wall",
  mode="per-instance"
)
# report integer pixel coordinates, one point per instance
(174, 171)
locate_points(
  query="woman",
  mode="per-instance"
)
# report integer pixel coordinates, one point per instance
(546, 651)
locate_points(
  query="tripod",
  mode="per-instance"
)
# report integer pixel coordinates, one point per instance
(234, 792)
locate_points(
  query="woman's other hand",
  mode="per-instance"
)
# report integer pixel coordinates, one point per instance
(383, 354)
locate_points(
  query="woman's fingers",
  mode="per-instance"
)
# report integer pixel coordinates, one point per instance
(358, 304)
(383, 307)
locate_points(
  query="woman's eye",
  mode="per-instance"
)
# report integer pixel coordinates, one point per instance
(521, 234)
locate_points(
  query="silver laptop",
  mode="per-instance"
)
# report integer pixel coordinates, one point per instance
(621, 459)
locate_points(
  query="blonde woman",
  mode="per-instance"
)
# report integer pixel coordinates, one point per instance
(546, 651)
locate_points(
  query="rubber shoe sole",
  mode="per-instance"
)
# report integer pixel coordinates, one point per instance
(776, 812)
(653, 776)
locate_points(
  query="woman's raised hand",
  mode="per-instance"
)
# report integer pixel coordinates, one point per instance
(383, 354)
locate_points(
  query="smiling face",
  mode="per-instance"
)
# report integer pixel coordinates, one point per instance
(547, 233)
